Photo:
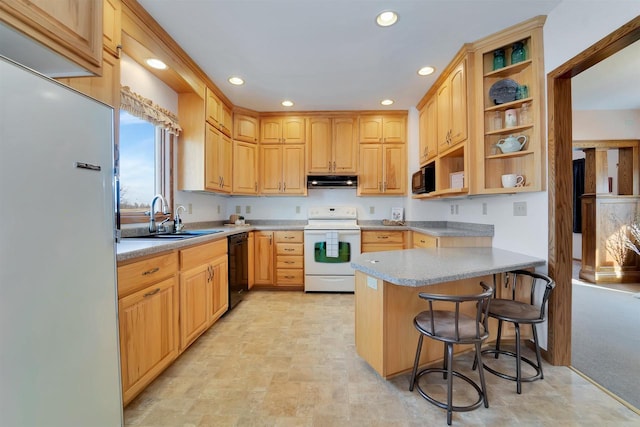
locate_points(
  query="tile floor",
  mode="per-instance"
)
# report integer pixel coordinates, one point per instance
(288, 359)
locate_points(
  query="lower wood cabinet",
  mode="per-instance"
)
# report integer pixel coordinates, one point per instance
(148, 321)
(263, 260)
(381, 240)
(421, 240)
(279, 259)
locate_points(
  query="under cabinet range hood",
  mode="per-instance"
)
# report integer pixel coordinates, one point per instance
(332, 181)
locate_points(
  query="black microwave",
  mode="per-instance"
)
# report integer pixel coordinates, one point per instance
(424, 181)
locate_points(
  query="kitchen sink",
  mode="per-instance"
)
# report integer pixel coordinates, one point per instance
(185, 234)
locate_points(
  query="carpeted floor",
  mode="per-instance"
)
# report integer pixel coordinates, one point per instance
(606, 338)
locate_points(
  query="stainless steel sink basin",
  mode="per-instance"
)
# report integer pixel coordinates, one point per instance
(185, 234)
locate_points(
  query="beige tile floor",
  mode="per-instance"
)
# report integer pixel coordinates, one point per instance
(288, 359)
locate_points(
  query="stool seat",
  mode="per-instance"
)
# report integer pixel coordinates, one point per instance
(453, 327)
(521, 313)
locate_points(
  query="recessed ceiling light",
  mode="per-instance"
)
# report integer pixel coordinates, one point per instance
(237, 81)
(425, 71)
(386, 102)
(157, 64)
(387, 18)
(287, 103)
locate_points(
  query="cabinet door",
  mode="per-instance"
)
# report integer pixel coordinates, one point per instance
(105, 88)
(458, 104)
(320, 153)
(428, 131)
(245, 128)
(213, 109)
(444, 116)
(270, 169)
(293, 130)
(195, 292)
(370, 129)
(245, 159)
(394, 129)
(271, 130)
(294, 179)
(345, 145)
(263, 263)
(148, 323)
(395, 171)
(212, 172)
(219, 288)
(251, 259)
(370, 179)
(225, 158)
(111, 26)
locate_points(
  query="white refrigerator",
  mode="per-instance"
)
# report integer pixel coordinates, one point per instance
(59, 354)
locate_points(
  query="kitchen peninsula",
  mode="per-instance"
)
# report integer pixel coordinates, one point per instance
(387, 288)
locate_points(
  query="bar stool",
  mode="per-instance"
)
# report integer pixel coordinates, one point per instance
(453, 327)
(521, 313)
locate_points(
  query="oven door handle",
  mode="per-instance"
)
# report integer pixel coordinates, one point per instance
(324, 232)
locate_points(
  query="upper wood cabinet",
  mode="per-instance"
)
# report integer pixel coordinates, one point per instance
(112, 27)
(452, 108)
(245, 128)
(525, 103)
(428, 122)
(70, 28)
(285, 129)
(105, 88)
(205, 153)
(245, 172)
(282, 170)
(218, 113)
(383, 170)
(390, 129)
(332, 145)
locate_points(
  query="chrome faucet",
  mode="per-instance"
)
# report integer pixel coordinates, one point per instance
(152, 218)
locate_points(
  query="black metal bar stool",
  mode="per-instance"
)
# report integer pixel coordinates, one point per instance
(521, 313)
(453, 327)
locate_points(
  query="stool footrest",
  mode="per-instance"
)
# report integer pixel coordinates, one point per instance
(443, 405)
(535, 377)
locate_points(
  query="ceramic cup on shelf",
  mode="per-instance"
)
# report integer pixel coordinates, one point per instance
(512, 180)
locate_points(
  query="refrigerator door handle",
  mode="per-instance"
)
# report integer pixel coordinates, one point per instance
(89, 166)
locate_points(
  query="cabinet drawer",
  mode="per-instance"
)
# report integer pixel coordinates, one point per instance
(379, 247)
(290, 277)
(424, 241)
(289, 236)
(383, 237)
(290, 249)
(137, 275)
(286, 261)
(197, 255)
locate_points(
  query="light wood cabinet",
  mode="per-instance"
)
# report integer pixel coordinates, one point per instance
(112, 27)
(428, 122)
(382, 240)
(290, 259)
(245, 128)
(264, 255)
(332, 145)
(105, 88)
(218, 113)
(203, 289)
(282, 169)
(148, 320)
(282, 130)
(452, 108)
(421, 240)
(245, 170)
(390, 129)
(529, 161)
(218, 157)
(383, 169)
(70, 28)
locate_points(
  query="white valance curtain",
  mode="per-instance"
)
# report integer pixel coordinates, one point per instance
(145, 109)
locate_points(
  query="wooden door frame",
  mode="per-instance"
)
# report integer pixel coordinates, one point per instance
(561, 183)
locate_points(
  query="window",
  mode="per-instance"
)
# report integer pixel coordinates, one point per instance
(144, 167)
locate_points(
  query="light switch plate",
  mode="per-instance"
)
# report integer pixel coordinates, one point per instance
(519, 208)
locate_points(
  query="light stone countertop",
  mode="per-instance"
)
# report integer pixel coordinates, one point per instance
(428, 266)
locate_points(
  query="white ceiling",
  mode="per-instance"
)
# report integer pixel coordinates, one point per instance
(330, 54)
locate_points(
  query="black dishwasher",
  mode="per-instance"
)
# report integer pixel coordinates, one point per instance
(238, 251)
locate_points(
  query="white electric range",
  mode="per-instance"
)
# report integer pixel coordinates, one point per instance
(331, 241)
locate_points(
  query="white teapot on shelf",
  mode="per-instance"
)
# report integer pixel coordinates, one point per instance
(512, 143)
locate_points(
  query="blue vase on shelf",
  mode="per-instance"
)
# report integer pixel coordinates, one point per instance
(498, 59)
(518, 53)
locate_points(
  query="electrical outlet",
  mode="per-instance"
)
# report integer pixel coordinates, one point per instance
(247, 209)
(484, 209)
(238, 209)
(519, 208)
(218, 208)
(297, 209)
(190, 208)
(372, 209)
(452, 209)
(456, 209)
